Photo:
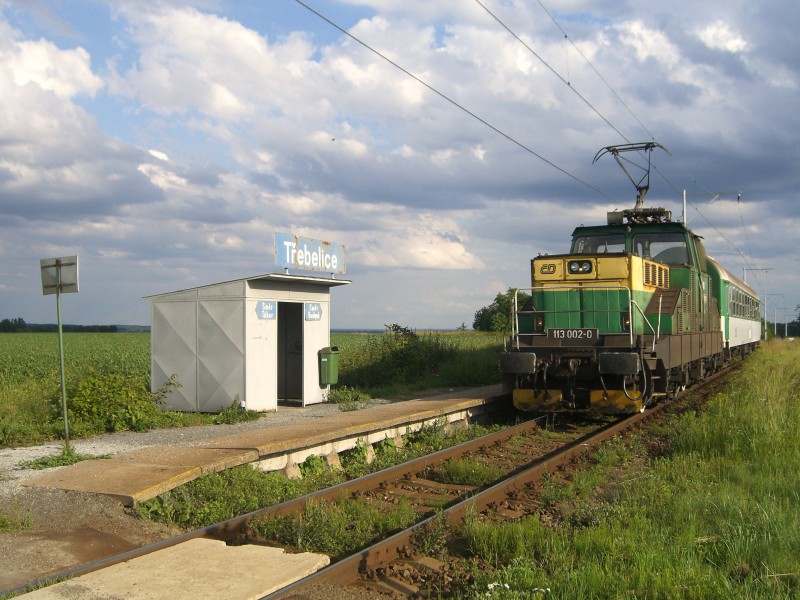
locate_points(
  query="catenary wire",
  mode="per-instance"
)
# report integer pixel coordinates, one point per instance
(551, 69)
(456, 104)
(574, 90)
(592, 67)
(508, 136)
(639, 121)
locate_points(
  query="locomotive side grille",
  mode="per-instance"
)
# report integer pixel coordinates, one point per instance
(686, 309)
(684, 312)
(655, 274)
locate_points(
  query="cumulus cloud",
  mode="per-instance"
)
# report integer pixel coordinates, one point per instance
(720, 36)
(170, 141)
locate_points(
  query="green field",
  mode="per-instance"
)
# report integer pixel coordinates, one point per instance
(108, 377)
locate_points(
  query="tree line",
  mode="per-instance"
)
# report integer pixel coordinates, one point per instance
(18, 325)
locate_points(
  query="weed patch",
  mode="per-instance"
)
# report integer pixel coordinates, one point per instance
(348, 398)
(66, 458)
(468, 471)
(236, 413)
(13, 523)
(339, 528)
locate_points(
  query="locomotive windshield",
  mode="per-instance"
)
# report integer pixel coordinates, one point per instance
(599, 244)
(668, 248)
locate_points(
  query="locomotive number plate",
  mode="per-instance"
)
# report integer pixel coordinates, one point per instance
(575, 333)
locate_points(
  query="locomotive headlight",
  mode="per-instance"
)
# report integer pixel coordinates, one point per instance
(538, 323)
(579, 267)
(625, 321)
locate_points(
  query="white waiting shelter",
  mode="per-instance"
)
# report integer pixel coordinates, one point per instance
(257, 338)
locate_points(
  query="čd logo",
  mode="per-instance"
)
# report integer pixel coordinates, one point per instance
(547, 269)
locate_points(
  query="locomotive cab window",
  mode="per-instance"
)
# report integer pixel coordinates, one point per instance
(668, 248)
(599, 244)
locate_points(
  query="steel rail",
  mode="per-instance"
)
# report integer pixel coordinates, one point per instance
(236, 527)
(353, 568)
(350, 570)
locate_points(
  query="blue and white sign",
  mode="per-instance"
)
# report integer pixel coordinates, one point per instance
(305, 254)
(267, 310)
(313, 311)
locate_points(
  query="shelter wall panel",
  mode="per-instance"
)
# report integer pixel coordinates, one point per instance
(220, 353)
(173, 345)
(317, 337)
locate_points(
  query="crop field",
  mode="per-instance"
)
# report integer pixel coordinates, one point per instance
(108, 376)
(25, 356)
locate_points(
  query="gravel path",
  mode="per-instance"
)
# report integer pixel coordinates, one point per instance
(12, 470)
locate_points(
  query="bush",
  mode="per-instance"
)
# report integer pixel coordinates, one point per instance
(108, 402)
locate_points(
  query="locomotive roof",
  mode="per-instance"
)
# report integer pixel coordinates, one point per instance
(637, 227)
(728, 276)
(652, 219)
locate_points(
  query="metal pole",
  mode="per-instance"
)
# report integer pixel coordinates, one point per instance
(684, 207)
(775, 320)
(766, 315)
(61, 359)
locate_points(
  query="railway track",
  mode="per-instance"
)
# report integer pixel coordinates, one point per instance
(523, 453)
(376, 567)
(398, 566)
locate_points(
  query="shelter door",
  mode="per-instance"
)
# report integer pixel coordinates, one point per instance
(290, 350)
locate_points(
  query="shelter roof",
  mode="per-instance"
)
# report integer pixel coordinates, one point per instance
(328, 282)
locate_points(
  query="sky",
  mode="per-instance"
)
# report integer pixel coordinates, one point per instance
(444, 144)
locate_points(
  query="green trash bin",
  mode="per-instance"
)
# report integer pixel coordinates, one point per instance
(329, 366)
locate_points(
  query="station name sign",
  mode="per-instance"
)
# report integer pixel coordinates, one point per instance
(305, 254)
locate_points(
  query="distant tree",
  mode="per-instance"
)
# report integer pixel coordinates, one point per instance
(497, 316)
(9, 325)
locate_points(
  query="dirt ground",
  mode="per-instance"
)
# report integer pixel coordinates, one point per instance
(66, 529)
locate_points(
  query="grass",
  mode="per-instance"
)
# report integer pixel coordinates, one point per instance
(469, 471)
(715, 516)
(338, 528)
(108, 379)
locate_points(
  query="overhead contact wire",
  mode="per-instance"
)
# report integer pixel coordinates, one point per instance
(639, 121)
(454, 103)
(593, 68)
(552, 70)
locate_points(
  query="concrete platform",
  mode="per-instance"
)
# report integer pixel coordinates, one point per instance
(139, 475)
(198, 568)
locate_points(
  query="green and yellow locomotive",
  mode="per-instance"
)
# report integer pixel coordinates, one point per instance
(635, 312)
